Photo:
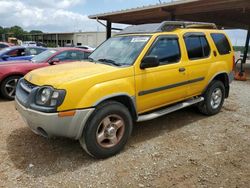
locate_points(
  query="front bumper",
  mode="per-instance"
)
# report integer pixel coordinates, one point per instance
(50, 124)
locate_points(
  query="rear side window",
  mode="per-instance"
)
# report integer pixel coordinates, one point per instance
(197, 47)
(221, 43)
(166, 49)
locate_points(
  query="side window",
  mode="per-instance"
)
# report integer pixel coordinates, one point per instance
(31, 51)
(70, 56)
(166, 49)
(12, 53)
(197, 47)
(73, 55)
(16, 53)
(61, 56)
(221, 43)
(80, 55)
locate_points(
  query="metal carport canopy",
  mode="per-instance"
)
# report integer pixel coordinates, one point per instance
(226, 13)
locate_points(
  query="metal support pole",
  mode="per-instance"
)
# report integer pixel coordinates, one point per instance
(108, 29)
(245, 51)
(56, 40)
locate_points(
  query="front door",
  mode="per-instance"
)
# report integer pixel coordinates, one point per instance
(165, 84)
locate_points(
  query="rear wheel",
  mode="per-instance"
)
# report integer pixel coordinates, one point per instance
(213, 99)
(8, 87)
(107, 130)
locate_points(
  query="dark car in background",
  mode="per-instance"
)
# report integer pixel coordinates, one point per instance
(5, 45)
(12, 71)
(19, 53)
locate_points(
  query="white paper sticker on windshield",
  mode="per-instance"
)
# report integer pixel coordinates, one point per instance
(139, 39)
(52, 51)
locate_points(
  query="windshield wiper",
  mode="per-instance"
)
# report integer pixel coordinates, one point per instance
(109, 61)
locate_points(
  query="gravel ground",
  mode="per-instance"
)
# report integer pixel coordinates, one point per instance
(183, 149)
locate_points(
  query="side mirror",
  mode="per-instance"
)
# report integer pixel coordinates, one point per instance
(149, 62)
(54, 61)
(5, 57)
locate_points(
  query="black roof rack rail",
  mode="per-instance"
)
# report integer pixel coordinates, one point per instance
(166, 26)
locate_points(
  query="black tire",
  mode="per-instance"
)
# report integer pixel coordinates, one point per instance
(206, 106)
(6, 91)
(89, 140)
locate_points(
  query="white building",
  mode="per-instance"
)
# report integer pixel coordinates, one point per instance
(92, 39)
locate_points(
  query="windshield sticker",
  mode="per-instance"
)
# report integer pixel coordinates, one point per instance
(52, 51)
(140, 39)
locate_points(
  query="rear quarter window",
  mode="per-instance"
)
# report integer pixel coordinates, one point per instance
(221, 42)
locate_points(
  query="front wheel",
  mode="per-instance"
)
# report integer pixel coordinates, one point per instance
(8, 87)
(213, 99)
(107, 130)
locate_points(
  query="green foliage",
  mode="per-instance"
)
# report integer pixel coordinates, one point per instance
(51, 45)
(35, 31)
(241, 49)
(15, 31)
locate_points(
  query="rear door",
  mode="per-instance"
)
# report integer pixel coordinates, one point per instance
(199, 57)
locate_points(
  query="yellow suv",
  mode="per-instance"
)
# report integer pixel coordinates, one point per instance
(144, 72)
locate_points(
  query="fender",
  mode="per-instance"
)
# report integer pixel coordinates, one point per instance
(227, 86)
(118, 96)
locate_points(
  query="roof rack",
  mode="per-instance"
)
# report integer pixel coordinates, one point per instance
(166, 26)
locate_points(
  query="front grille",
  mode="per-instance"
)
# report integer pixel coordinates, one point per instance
(23, 91)
(26, 86)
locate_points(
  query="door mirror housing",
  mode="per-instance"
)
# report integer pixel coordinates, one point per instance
(5, 57)
(149, 62)
(54, 61)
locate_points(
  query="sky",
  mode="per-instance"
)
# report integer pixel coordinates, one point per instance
(71, 15)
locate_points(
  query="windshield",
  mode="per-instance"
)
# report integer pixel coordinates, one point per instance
(120, 50)
(43, 56)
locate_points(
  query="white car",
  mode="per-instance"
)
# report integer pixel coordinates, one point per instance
(29, 43)
(86, 47)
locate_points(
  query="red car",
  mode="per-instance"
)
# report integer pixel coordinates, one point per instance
(12, 71)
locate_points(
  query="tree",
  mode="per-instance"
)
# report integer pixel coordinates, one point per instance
(35, 31)
(15, 31)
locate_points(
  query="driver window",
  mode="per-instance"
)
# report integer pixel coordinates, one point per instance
(166, 49)
(16, 53)
(62, 56)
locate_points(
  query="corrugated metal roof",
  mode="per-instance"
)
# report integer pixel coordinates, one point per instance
(225, 13)
(148, 7)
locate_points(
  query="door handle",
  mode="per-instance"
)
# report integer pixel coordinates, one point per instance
(182, 69)
(215, 53)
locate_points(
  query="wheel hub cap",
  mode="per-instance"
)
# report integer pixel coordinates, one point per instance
(10, 87)
(110, 131)
(216, 98)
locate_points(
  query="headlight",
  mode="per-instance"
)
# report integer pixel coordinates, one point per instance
(48, 96)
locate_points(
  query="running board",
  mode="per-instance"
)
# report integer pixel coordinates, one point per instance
(170, 109)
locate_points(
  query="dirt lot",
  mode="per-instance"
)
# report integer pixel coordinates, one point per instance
(183, 149)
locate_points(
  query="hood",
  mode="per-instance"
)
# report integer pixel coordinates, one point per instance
(59, 74)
